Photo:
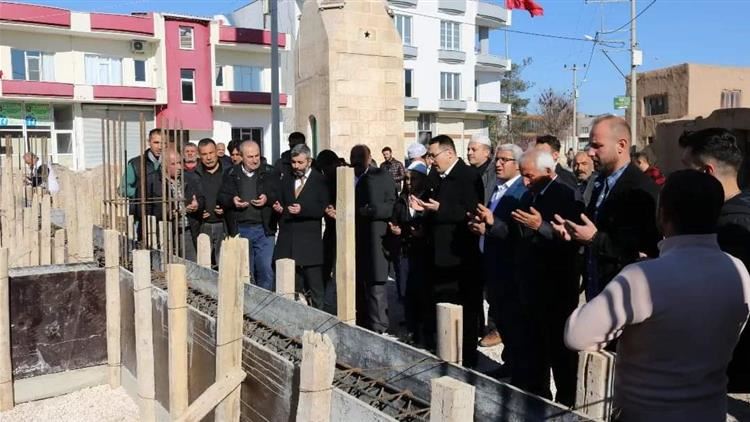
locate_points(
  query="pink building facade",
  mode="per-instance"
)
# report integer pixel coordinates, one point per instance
(62, 73)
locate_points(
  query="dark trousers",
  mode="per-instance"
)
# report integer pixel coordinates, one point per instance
(309, 281)
(372, 299)
(216, 233)
(458, 285)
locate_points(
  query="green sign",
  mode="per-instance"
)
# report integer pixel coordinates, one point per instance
(622, 102)
(37, 115)
(11, 114)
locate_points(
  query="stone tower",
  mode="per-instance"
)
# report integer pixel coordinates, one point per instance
(349, 77)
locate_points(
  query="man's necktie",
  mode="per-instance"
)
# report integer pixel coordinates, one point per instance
(299, 188)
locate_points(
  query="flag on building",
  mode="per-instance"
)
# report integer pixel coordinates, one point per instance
(531, 6)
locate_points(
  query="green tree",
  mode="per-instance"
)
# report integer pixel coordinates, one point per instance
(513, 89)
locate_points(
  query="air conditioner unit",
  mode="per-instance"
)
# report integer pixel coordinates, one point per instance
(138, 46)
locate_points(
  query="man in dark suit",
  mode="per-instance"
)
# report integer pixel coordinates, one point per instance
(454, 191)
(375, 195)
(550, 144)
(283, 165)
(619, 226)
(303, 198)
(547, 281)
(499, 236)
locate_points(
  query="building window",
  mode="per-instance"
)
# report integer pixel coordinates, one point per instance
(450, 35)
(248, 133)
(450, 86)
(656, 104)
(425, 127)
(731, 98)
(408, 82)
(186, 38)
(140, 70)
(102, 70)
(247, 78)
(403, 25)
(219, 76)
(187, 80)
(32, 65)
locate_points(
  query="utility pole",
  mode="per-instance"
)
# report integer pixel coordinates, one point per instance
(635, 60)
(275, 109)
(575, 69)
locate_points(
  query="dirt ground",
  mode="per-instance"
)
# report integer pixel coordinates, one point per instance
(96, 404)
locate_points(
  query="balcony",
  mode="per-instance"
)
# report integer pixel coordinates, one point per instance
(37, 89)
(452, 7)
(411, 102)
(33, 14)
(142, 25)
(237, 36)
(452, 105)
(403, 3)
(451, 56)
(490, 107)
(251, 98)
(492, 63)
(410, 52)
(492, 15)
(130, 93)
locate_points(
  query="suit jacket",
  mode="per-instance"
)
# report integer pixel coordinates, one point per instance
(547, 273)
(625, 222)
(268, 184)
(458, 193)
(566, 176)
(501, 239)
(375, 195)
(587, 188)
(489, 179)
(300, 236)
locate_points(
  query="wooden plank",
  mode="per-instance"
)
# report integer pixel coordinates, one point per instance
(316, 377)
(204, 250)
(451, 400)
(229, 322)
(345, 245)
(178, 364)
(6, 367)
(595, 386)
(285, 275)
(450, 332)
(144, 335)
(213, 395)
(34, 231)
(112, 280)
(28, 236)
(59, 251)
(45, 232)
(244, 260)
(85, 216)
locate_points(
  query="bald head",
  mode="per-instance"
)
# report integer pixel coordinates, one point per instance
(610, 143)
(250, 151)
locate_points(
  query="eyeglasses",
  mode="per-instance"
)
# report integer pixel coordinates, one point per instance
(505, 160)
(434, 156)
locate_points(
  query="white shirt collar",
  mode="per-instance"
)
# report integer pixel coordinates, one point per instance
(510, 181)
(247, 173)
(447, 172)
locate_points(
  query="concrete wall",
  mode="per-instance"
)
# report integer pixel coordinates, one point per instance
(707, 83)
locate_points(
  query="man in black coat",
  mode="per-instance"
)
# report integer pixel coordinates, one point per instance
(247, 194)
(283, 165)
(303, 198)
(375, 195)
(454, 191)
(619, 226)
(547, 281)
(210, 170)
(715, 151)
(550, 144)
(184, 196)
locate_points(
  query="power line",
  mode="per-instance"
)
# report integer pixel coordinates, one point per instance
(537, 34)
(630, 21)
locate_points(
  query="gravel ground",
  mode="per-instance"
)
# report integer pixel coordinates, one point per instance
(96, 404)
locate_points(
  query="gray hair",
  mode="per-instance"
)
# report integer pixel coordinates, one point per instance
(514, 149)
(246, 143)
(542, 159)
(301, 149)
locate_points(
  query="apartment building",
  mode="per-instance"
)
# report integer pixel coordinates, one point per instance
(452, 80)
(63, 73)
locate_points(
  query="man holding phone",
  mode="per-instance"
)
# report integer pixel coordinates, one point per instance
(248, 192)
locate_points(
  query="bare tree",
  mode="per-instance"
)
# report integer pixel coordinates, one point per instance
(556, 110)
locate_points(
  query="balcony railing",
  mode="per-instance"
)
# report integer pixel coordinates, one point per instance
(453, 104)
(37, 89)
(451, 56)
(492, 63)
(247, 97)
(454, 7)
(492, 107)
(492, 15)
(411, 102)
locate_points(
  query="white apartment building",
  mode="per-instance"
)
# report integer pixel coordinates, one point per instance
(63, 73)
(452, 81)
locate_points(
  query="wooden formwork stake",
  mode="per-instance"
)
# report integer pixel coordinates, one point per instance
(6, 367)
(85, 219)
(112, 277)
(45, 233)
(451, 400)
(316, 378)
(244, 260)
(178, 365)
(595, 386)
(229, 324)
(152, 235)
(345, 245)
(204, 250)
(29, 233)
(144, 336)
(450, 332)
(285, 275)
(33, 232)
(59, 252)
(131, 227)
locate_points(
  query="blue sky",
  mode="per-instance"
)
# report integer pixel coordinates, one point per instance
(670, 32)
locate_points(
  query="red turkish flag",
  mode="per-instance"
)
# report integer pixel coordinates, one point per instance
(530, 5)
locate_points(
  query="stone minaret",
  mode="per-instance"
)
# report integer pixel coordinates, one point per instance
(349, 77)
